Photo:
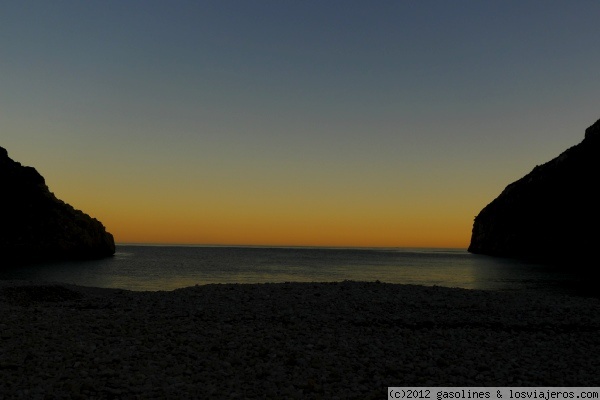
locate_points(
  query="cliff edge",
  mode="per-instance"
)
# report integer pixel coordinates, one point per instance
(551, 214)
(35, 226)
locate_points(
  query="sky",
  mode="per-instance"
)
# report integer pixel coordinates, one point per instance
(300, 123)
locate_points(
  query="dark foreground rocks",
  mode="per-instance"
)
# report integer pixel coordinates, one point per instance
(551, 214)
(348, 340)
(36, 226)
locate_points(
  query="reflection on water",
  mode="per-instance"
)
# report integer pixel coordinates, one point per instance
(171, 267)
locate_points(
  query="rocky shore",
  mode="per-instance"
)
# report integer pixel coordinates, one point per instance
(348, 340)
(545, 216)
(38, 227)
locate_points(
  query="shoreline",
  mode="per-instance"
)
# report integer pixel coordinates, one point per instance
(288, 340)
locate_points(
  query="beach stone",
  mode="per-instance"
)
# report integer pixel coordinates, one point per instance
(242, 347)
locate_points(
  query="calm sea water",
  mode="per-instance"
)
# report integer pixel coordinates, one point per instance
(170, 267)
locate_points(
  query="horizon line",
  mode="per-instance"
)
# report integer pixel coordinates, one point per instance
(162, 244)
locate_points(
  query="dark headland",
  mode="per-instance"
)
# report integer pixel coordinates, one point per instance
(550, 215)
(38, 227)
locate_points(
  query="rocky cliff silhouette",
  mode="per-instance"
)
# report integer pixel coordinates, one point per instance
(35, 226)
(551, 214)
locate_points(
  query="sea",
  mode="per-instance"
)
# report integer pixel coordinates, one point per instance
(164, 268)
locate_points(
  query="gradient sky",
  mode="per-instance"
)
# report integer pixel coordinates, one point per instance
(340, 123)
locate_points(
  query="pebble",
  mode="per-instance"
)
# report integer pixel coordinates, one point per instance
(348, 340)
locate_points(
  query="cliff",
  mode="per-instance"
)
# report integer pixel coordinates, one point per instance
(551, 214)
(35, 226)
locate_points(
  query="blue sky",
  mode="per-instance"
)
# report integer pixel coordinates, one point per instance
(296, 122)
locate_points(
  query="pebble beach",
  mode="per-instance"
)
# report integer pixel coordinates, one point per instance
(343, 340)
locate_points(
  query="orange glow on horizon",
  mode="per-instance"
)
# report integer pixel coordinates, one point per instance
(192, 217)
(287, 233)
